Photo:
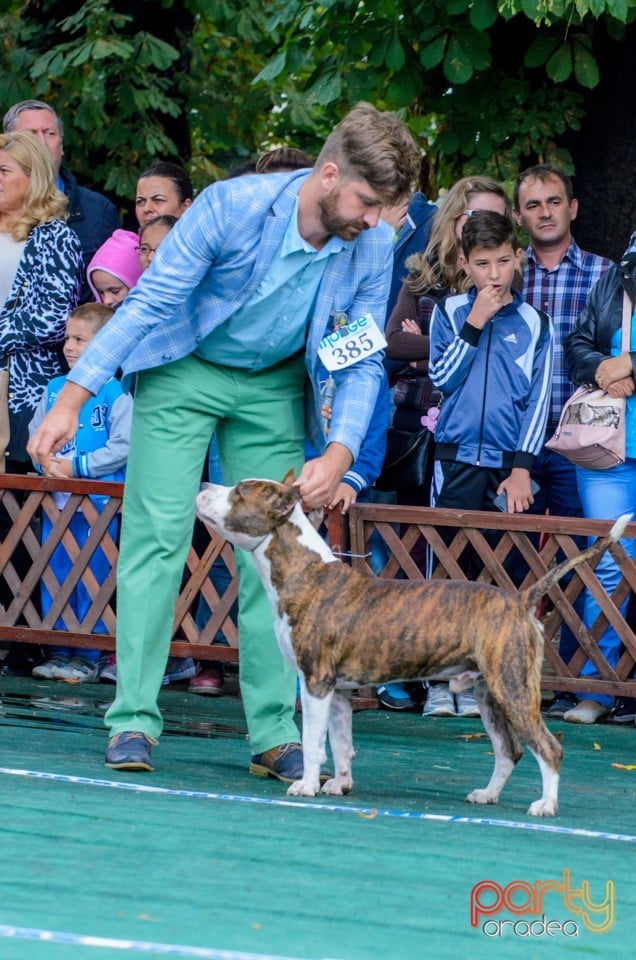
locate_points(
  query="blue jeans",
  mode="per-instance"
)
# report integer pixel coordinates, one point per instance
(606, 495)
(557, 494)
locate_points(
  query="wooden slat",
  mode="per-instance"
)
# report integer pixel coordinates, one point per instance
(492, 537)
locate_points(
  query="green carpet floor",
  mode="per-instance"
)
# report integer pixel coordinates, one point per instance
(217, 864)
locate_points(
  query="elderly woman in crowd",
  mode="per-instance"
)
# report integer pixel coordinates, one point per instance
(40, 279)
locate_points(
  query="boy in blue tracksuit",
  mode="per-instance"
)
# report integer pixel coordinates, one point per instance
(100, 450)
(491, 358)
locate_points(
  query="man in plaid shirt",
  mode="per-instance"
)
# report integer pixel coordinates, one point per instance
(558, 277)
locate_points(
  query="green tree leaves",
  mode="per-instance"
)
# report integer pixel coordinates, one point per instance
(484, 84)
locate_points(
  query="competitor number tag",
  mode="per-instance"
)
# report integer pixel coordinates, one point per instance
(347, 344)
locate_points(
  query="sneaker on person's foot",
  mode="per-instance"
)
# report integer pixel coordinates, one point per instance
(586, 711)
(77, 670)
(395, 696)
(130, 750)
(107, 669)
(48, 669)
(207, 682)
(178, 668)
(440, 702)
(467, 704)
(559, 705)
(623, 711)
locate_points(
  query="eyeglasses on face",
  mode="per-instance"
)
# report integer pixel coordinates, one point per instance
(145, 249)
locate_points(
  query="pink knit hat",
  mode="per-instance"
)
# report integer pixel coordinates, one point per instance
(118, 256)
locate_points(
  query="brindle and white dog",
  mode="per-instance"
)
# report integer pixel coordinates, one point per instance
(341, 629)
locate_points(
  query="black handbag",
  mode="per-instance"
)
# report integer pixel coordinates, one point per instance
(408, 461)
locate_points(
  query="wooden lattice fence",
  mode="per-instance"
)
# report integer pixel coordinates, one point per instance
(204, 621)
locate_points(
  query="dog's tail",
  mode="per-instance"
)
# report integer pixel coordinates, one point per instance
(534, 593)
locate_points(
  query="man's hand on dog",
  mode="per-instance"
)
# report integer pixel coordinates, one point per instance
(319, 479)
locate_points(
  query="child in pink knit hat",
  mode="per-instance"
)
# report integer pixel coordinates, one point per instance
(115, 268)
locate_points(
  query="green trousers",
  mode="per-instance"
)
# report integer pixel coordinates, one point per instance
(259, 423)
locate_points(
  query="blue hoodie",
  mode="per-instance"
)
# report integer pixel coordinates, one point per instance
(99, 449)
(495, 382)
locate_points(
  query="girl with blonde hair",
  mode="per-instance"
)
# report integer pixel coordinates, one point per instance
(438, 265)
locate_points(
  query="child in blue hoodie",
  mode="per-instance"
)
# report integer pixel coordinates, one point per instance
(100, 450)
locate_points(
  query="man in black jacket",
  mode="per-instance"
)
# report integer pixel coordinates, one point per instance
(92, 216)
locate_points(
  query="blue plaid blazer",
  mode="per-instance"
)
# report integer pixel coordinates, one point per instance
(208, 266)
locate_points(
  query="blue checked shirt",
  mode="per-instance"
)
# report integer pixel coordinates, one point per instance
(562, 293)
(210, 265)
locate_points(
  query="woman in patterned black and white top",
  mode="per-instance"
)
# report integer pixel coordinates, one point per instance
(40, 278)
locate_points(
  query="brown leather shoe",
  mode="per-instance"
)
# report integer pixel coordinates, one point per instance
(284, 763)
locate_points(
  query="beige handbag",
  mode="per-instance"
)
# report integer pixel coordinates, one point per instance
(591, 430)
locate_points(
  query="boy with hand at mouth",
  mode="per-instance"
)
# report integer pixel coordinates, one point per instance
(491, 357)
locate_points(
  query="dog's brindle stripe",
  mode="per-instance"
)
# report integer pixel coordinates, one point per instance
(341, 627)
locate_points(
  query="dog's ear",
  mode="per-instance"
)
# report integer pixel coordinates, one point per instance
(289, 478)
(287, 501)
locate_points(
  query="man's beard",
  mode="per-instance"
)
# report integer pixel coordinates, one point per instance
(336, 225)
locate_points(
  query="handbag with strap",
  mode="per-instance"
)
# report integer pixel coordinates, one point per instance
(408, 461)
(591, 429)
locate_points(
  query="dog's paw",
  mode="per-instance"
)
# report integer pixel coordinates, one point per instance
(481, 796)
(543, 808)
(303, 788)
(337, 786)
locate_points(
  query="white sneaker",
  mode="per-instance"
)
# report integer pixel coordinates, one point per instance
(77, 670)
(107, 668)
(586, 711)
(466, 704)
(48, 669)
(440, 702)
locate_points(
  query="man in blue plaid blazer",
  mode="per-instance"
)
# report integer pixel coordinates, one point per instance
(222, 333)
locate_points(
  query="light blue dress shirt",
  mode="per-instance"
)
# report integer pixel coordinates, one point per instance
(272, 324)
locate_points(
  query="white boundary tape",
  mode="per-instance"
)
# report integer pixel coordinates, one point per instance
(539, 826)
(135, 946)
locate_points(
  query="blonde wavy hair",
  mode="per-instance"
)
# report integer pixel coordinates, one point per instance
(42, 200)
(437, 266)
